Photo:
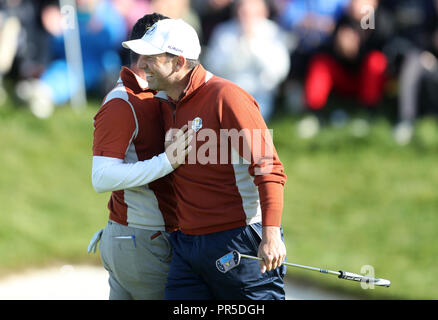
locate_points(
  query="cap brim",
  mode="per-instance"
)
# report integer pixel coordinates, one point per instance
(139, 46)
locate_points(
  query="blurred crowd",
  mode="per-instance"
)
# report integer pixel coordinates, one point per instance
(293, 53)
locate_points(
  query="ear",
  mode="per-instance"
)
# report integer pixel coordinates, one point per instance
(180, 63)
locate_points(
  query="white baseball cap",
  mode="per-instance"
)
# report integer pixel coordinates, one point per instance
(169, 35)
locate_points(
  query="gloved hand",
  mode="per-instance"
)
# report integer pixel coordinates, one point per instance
(94, 241)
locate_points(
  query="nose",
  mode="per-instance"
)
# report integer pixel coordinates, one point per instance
(141, 63)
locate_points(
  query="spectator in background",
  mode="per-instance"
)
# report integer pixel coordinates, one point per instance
(24, 51)
(412, 53)
(352, 63)
(101, 29)
(249, 50)
(309, 24)
(9, 34)
(211, 13)
(131, 11)
(178, 9)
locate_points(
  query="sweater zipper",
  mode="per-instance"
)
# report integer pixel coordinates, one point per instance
(174, 112)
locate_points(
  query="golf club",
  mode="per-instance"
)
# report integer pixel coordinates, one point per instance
(232, 260)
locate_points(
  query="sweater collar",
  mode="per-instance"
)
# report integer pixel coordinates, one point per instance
(198, 77)
(133, 81)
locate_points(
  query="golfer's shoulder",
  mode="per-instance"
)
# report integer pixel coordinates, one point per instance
(224, 89)
(114, 112)
(122, 97)
(115, 107)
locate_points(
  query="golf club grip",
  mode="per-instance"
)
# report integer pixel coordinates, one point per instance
(360, 278)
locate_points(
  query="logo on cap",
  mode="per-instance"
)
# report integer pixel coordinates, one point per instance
(151, 29)
(174, 48)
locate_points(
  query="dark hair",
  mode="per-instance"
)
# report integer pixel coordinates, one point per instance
(140, 28)
(191, 63)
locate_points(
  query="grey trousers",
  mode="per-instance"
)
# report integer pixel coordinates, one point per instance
(137, 261)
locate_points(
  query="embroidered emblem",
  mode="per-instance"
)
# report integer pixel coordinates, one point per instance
(151, 29)
(197, 124)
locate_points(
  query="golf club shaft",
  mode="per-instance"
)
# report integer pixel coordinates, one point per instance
(295, 265)
(340, 274)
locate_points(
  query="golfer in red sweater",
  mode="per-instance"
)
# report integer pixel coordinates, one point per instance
(230, 190)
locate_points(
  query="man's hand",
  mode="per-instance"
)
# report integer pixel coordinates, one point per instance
(272, 249)
(177, 145)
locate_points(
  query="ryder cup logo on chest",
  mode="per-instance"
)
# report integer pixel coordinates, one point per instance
(197, 124)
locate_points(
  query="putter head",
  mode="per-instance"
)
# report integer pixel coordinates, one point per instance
(360, 278)
(228, 261)
(382, 283)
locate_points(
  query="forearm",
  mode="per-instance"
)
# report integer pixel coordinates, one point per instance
(271, 202)
(111, 174)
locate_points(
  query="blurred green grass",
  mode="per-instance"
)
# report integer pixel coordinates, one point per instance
(355, 201)
(49, 208)
(349, 201)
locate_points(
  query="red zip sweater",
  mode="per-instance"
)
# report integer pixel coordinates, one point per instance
(128, 126)
(214, 191)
